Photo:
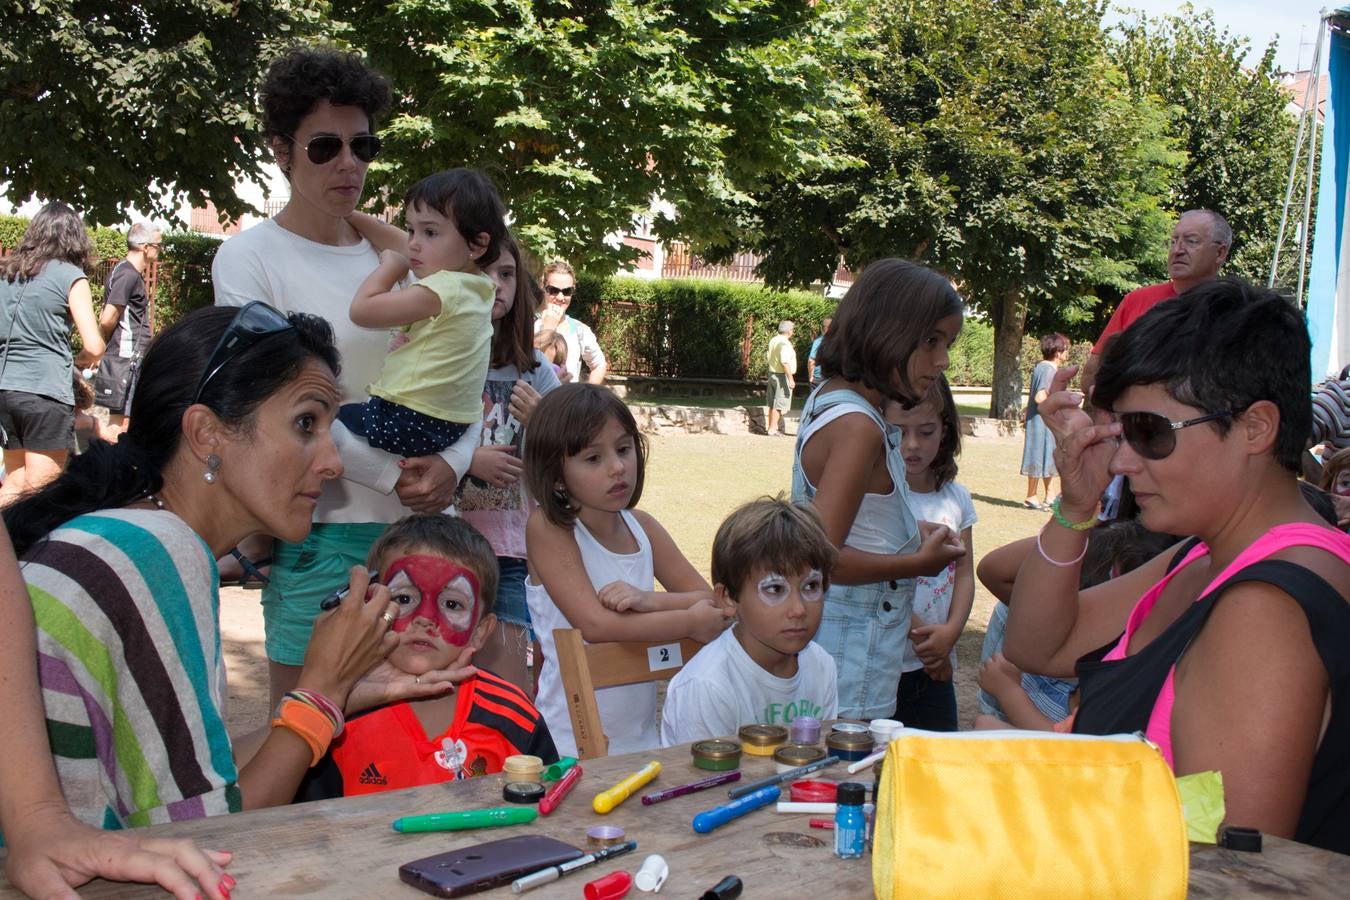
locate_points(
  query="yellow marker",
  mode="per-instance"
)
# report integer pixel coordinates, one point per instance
(605, 801)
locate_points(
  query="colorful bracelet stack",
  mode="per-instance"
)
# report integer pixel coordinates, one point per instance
(313, 717)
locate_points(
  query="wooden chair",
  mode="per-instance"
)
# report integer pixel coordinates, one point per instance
(585, 668)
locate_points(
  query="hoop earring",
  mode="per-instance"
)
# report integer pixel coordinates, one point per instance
(212, 466)
(560, 495)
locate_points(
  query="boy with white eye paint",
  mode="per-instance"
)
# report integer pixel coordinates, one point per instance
(443, 574)
(772, 560)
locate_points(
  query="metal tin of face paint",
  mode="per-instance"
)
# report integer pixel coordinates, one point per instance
(762, 740)
(716, 756)
(849, 746)
(522, 767)
(523, 792)
(790, 756)
(598, 836)
(850, 728)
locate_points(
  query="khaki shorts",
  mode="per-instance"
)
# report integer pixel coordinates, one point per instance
(780, 395)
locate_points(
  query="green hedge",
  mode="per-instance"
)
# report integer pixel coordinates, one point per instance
(183, 282)
(693, 328)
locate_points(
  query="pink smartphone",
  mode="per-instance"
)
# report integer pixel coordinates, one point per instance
(482, 867)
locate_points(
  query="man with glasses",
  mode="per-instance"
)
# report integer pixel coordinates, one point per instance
(1196, 251)
(559, 284)
(125, 323)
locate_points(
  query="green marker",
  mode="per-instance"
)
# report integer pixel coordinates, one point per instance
(558, 769)
(469, 818)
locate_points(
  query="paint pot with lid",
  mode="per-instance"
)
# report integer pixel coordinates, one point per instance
(716, 755)
(523, 792)
(883, 730)
(849, 746)
(762, 740)
(813, 791)
(790, 756)
(522, 768)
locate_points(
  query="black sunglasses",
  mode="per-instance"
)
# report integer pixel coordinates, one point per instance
(1154, 436)
(554, 291)
(325, 147)
(254, 321)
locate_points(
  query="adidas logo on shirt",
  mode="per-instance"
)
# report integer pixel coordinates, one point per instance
(371, 775)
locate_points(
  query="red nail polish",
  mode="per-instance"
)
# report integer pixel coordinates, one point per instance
(229, 878)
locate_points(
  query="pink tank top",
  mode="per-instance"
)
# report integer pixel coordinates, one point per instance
(1294, 534)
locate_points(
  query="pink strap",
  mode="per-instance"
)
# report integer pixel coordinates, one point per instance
(1293, 534)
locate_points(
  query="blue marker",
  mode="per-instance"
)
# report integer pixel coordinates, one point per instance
(718, 816)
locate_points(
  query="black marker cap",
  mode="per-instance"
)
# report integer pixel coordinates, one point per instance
(1245, 839)
(727, 889)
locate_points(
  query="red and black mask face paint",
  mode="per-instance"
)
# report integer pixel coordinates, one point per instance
(442, 593)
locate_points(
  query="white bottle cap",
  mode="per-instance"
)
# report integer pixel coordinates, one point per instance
(652, 874)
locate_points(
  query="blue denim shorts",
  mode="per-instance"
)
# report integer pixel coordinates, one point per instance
(864, 627)
(510, 605)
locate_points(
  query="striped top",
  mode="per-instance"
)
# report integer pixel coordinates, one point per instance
(1331, 415)
(129, 660)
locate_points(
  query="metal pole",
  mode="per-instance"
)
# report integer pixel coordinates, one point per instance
(1293, 165)
(1312, 161)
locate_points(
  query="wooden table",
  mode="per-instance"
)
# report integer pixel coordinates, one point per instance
(346, 848)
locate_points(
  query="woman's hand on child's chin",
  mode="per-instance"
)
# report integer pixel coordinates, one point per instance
(387, 684)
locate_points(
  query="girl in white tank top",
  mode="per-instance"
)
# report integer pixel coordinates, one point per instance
(594, 560)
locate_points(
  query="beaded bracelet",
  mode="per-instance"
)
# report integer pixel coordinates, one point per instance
(1054, 562)
(1091, 522)
(322, 704)
(311, 725)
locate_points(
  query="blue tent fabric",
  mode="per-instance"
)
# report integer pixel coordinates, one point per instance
(1330, 254)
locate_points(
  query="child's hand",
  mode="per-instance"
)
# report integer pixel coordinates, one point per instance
(496, 464)
(524, 398)
(940, 672)
(394, 260)
(1000, 677)
(933, 643)
(620, 596)
(939, 547)
(709, 620)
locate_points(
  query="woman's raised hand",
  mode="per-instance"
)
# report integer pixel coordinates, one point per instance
(1083, 447)
(351, 640)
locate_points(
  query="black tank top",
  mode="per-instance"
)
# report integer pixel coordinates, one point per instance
(1118, 695)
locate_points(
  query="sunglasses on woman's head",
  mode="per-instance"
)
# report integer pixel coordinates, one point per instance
(324, 148)
(1154, 436)
(254, 321)
(555, 291)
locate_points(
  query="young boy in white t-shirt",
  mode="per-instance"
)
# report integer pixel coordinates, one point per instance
(771, 559)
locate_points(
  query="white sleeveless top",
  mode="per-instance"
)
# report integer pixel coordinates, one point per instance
(628, 713)
(883, 523)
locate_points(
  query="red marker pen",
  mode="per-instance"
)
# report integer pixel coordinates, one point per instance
(558, 791)
(822, 823)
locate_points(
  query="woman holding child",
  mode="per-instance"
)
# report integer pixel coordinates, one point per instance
(229, 435)
(1235, 655)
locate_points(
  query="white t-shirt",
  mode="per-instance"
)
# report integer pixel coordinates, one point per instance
(627, 713)
(950, 505)
(294, 274)
(722, 688)
(581, 345)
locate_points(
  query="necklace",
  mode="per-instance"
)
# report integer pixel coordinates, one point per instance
(155, 500)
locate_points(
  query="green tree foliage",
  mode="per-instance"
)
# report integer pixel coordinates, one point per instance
(996, 142)
(1229, 117)
(106, 104)
(583, 112)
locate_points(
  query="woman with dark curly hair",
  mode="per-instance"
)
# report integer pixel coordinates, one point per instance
(43, 289)
(320, 108)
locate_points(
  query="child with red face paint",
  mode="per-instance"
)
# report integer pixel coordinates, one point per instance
(443, 575)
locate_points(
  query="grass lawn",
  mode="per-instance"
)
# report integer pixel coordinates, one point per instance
(693, 481)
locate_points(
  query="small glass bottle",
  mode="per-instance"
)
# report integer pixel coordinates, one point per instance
(850, 826)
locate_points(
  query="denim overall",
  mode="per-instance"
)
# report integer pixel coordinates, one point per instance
(865, 626)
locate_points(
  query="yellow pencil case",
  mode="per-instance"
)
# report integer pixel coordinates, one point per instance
(995, 814)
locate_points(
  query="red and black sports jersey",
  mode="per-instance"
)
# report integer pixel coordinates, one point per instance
(387, 749)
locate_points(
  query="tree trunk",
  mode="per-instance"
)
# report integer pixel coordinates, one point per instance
(1005, 400)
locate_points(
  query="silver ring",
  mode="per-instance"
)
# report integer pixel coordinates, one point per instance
(417, 679)
(388, 617)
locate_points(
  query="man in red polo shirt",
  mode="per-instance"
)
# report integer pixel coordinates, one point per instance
(1199, 246)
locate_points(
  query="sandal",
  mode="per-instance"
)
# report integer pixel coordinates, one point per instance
(1031, 504)
(252, 577)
